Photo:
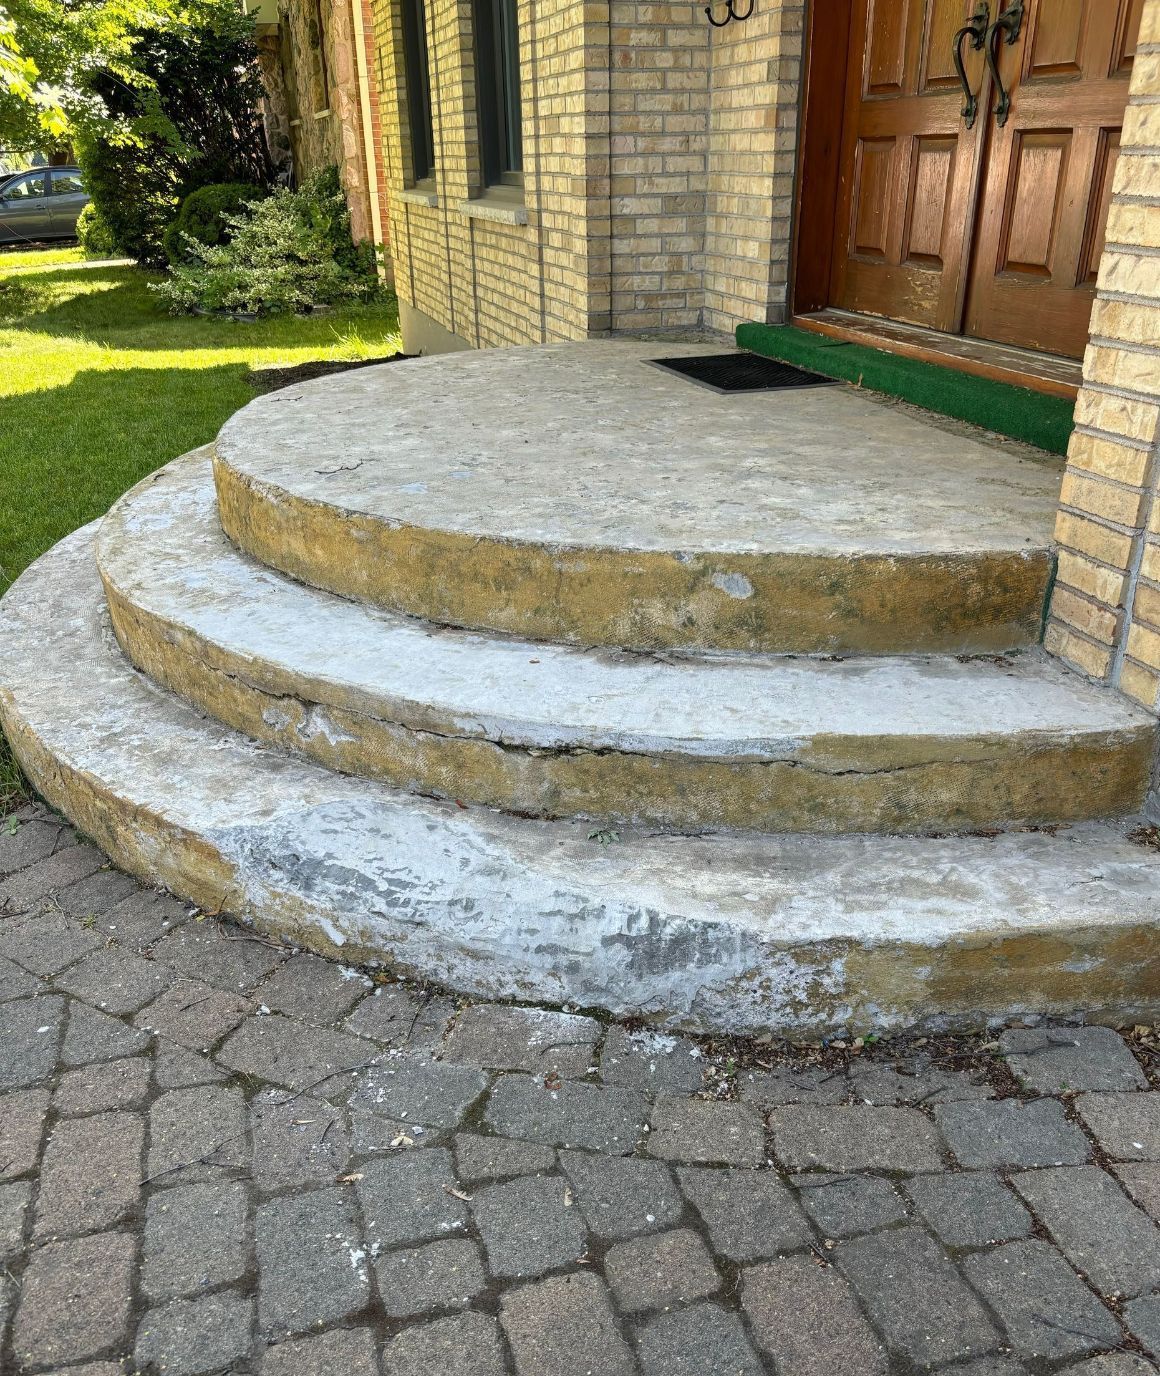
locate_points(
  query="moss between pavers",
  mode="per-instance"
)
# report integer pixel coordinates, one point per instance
(1022, 414)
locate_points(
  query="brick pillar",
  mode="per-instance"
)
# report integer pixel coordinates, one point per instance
(1105, 608)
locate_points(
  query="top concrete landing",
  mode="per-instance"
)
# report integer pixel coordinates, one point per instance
(585, 445)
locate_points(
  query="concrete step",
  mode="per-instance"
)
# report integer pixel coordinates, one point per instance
(796, 934)
(773, 744)
(574, 493)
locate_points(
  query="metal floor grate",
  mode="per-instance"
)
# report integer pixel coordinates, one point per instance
(741, 373)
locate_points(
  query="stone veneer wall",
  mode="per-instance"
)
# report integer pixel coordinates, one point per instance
(1105, 609)
(658, 172)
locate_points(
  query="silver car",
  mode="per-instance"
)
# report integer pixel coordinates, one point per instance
(42, 203)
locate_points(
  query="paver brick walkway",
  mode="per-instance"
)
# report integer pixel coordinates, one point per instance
(218, 1155)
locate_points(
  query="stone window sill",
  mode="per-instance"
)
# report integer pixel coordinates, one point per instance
(501, 204)
(322, 114)
(416, 195)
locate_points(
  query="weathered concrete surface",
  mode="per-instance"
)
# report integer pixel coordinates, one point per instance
(773, 744)
(796, 933)
(573, 493)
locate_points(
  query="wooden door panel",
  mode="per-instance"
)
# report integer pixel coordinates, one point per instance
(909, 165)
(1048, 179)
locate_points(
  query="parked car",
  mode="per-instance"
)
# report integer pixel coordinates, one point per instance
(42, 203)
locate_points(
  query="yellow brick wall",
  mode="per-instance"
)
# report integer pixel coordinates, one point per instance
(1105, 609)
(658, 164)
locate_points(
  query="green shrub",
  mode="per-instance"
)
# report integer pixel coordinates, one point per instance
(201, 216)
(96, 238)
(137, 196)
(286, 253)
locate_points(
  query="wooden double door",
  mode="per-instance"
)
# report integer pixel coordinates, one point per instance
(989, 220)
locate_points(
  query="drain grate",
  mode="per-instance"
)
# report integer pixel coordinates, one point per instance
(741, 373)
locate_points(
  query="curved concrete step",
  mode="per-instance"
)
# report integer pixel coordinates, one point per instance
(769, 744)
(802, 934)
(573, 493)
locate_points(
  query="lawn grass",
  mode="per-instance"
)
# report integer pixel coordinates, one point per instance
(40, 257)
(99, 386)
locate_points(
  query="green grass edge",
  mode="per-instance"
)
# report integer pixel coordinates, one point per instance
(1018, 412)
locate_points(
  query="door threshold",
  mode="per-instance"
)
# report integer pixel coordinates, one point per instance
(1047, 373)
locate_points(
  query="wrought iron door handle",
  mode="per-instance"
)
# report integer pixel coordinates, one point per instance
(1010, 21)
(977, 30)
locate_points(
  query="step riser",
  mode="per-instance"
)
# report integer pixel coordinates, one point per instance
(492, 934)
(788, 934)
(830, 785)
(763, 603)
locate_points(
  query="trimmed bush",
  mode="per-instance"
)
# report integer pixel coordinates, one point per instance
(201, 216)
(286, 253)
(94, 234)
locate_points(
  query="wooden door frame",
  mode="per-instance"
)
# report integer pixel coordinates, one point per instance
(825, 52)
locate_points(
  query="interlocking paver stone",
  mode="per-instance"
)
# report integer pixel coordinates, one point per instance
(564, 1326)
(47, 942)
(1114, 1364)
(176, 1067)
(1009, 1132)
(574, 1115)
(1050, 1060)
(312, 1264)
(695, 1341)
(296, 1140)
(1143, 1319)
(29, 1039)
(95, 1036)
(463, 1345)
(497, 1158)
(916, 1297)
(538, 1040)
(970, 1209)
(74, 1299)
(195, 1337)
(95, 894)
(400, 1018)
(101, 1087)
(918, 1084)
(293, 1054)
(806, 1317)
(1097, 1227)
(313, 990)
(653, 1061)
(858, 1138)
(22, 1118)
(440, 1275)
(218, 954)
(842, 1205)
(48, 876)
(193, 1014)
(1142, 1181)
(91, 1176)
(528, 1225)
(702, 1133)
(660, 1271)
(196, 1133)
(1045, 1308)
(14, 1200)
(28, 844)
(413, 1089)
(791, 1085)
(749, 1215)
(1127, 1126)
(139, 922)
(620, 1196)
(194, 1238)
(16, 983)
(371, 1132)
(342, 1352)
(406, 1198)
(115, 981)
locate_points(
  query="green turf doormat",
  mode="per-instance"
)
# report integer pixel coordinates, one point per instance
(1022, 414)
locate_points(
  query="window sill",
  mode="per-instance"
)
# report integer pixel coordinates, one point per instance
(501, 204)
(322, 114)
(416, 195)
